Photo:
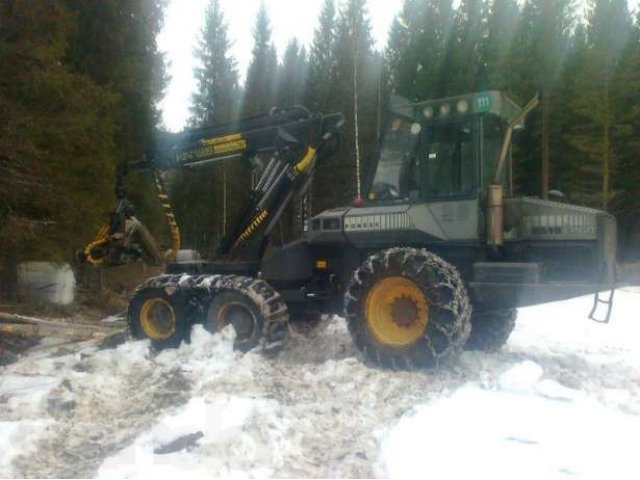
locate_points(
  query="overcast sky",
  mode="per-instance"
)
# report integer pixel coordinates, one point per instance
(289, 19)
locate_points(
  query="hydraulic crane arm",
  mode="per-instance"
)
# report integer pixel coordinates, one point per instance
(292, 141)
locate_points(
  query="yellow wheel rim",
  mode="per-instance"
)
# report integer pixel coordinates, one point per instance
(238, 315)
(396, 312)
(158, 319)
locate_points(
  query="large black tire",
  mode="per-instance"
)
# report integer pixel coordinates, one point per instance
(407, 308)
(256, 311)
(155, 315)
(491, 330)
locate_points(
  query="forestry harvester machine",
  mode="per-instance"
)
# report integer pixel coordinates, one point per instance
(439, 231)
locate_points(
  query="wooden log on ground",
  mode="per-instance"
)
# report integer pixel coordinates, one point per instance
(57, 331)
(86, 327)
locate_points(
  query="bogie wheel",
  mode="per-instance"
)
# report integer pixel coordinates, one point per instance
(232, 308)
(255, 310)
(491, 330)
(407, 308)
(160, 317)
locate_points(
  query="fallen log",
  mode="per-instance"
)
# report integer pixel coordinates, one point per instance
(75, 345)
(57, 331)
(15, 318)
(77, 335)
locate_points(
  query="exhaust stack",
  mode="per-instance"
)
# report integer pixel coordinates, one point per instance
(495, 191)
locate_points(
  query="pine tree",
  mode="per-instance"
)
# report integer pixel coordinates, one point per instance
(260, 87)
(356, 81)
(56, 136)
(216, 97)
(470, 29)
(568, 161)
(609, 28)
(403, 48)
(501, 25)
(114, 44)
(420, 48)
(292, 75)
(625, 202)
(535, 64)
(202, 197)
(322, 63)
(319, 86)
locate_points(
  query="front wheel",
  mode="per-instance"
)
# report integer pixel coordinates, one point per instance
(407, 308)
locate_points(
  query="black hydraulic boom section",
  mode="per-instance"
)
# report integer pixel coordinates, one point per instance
(283, 147)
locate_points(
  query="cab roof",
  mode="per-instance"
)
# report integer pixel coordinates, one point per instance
(489, 101)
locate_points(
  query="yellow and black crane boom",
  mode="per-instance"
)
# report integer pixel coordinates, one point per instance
(283, 146)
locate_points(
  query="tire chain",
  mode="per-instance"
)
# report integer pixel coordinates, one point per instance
(201, 289)
(491, 330)
(459, 306)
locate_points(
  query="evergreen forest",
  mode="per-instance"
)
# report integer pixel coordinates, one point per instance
(80, 85)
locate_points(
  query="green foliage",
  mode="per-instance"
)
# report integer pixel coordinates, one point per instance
(78, 89)
(589, 73)
(292, 75)
(201, 196)
(217, 94)
(261, 84)
(356, 76)
(322, 60)
(81, 80)
(55, 138)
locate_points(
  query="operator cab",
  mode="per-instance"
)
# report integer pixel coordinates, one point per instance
(430, 178)
(441, 149)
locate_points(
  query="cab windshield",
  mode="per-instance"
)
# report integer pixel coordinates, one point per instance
(394, 164)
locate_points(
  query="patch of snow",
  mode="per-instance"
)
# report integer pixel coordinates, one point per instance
(555, 391)
(15, 438)
(24, 395)
(502, 435)
(234, 437)
(561, 398)
(521, 378)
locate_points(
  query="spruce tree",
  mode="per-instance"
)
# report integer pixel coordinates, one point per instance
(403, 48)
(114, 44)
(216, 96)
(625, 201)
(467, 62)
(535, 64)
(320, 85)
(260, 86)
(356, 81)
(609, 29)
(292, 75)
(56, 136)
(322, 63)
(204, 199)
(420, 49)
(501, 25)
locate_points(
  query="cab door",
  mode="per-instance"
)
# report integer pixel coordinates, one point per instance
(448, 161)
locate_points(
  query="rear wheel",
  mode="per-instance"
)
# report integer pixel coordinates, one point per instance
(491, 330)
(255, 310)
(160, 317)
(407, 308)
(232, 308)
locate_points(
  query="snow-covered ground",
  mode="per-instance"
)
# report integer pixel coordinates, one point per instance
(561, 400)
